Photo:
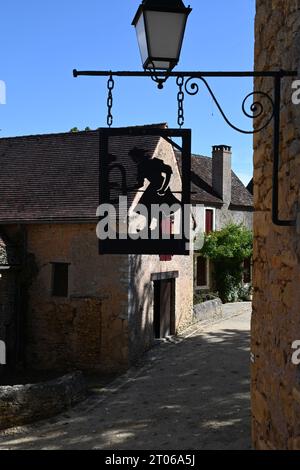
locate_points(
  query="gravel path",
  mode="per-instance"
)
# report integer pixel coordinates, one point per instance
(191, 393)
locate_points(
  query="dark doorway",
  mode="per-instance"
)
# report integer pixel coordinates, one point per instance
(164, 308)
(8, 317)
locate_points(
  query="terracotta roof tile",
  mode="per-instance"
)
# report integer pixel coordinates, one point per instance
(56, 176)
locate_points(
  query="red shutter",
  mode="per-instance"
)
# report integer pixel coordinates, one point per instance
(209, 220)
(201, 271)
(166, 228)
(165, 257)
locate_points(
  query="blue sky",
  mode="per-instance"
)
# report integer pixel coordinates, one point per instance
(42, 41)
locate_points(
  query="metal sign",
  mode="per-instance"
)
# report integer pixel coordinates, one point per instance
(144, 204)
(265, 106)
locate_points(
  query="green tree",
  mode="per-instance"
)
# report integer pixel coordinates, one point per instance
(228, 248)
(75, 129)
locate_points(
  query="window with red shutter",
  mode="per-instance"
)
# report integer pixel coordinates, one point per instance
(209, 220)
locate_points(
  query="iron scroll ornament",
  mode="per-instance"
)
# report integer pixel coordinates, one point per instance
(257, 108)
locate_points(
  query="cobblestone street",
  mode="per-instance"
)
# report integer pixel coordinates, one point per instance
(190, 393)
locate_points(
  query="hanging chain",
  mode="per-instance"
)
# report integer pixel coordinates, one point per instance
(180, 99)
(110, 87)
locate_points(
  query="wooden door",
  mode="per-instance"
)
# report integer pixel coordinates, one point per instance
(164, 308)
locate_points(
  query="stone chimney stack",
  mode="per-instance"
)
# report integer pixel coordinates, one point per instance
(221, 171)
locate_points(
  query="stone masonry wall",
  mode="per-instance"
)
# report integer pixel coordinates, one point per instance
(107, 319)
(225, 216)
(88, 329)
(276, 309)
(23, 404)
(141, 301)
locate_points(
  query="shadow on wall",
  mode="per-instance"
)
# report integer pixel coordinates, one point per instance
(140, 322)
(192, 395)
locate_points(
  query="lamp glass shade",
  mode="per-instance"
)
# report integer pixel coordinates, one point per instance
(141, 37)
(160, 35)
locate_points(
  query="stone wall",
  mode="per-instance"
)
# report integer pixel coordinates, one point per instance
(276, 307)
(109, 307)
(141, 301)
(88, 329)
(225, 216)
(211, 310)
(23, 404)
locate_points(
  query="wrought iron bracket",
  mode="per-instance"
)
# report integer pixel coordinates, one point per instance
(257, 109)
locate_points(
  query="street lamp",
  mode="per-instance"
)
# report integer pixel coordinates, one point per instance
(160, 27)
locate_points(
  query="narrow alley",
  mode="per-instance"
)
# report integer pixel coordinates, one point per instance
(189, 393)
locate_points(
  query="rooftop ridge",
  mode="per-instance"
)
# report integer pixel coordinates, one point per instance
(83, 132)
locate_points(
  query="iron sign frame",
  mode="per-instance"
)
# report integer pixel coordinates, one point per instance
(172, 246)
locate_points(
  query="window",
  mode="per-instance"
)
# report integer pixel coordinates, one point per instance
(247, 271)
(201, 272)
(60, 279)
(209, 220)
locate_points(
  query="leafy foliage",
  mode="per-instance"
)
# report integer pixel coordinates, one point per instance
(75, 129)
(200, 297)
(232, 242)
(228, 248)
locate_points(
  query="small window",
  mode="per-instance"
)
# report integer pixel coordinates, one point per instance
(209, 220)
(201, 272)
(60, 279)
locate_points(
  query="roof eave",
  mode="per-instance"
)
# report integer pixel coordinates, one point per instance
(54, 220)
(241, 207)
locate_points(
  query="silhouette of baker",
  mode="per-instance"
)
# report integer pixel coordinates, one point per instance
(159, 176)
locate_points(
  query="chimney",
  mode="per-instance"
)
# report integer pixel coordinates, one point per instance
(221, 171)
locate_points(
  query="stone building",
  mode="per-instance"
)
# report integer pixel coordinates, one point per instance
(276, 307)
(76, 308)
(219, 198)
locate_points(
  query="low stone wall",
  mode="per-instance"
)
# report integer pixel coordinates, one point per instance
(23, 404)
(209, 310)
